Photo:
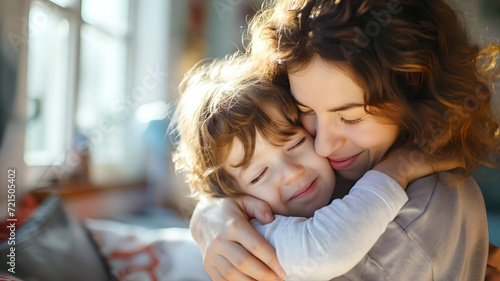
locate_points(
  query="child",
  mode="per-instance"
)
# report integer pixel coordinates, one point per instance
(240, 134)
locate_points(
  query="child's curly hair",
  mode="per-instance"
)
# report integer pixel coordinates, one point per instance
(222, 101)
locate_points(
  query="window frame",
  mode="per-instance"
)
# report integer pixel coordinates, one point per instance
(40, 174)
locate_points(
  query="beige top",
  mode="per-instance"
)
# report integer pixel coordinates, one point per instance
(440, 234)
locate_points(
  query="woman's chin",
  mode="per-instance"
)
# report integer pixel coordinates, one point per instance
(351, 175)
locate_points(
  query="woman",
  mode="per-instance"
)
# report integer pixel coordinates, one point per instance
(357, 65)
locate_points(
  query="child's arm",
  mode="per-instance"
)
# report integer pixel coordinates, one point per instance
(340, 234)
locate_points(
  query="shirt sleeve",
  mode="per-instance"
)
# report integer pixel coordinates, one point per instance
(339, 235)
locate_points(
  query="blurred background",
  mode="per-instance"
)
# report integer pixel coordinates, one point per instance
(87, 87)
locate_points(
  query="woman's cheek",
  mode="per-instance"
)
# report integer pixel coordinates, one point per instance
(309, 123)
(373, 135)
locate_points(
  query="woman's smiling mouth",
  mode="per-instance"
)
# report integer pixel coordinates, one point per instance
(343, 163)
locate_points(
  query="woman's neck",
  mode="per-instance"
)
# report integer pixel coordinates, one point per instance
(342, 187)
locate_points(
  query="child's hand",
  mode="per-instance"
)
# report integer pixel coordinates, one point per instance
(405, 165)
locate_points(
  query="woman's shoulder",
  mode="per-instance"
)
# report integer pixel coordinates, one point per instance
(431, 197)
(440, 229)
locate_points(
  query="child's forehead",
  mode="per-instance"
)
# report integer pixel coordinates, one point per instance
(269, 129)
(235, 161)
(237, 150)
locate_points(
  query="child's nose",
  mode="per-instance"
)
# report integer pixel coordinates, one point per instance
(292, 171)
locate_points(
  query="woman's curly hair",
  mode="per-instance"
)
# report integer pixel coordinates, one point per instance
(413, 59)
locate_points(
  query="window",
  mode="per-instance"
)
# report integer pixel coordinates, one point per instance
(79, 54)
(48, 84)
(103, 72)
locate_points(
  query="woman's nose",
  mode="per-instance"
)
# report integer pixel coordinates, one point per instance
(329, 138)
(292, 170)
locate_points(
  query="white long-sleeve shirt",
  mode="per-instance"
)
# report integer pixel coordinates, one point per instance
(339, 235)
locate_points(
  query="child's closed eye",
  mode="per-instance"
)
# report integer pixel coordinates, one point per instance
(259, 177)
(304, 110)
(299, 143)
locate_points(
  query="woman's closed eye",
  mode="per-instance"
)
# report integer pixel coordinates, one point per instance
(259, 177)
(351, 122)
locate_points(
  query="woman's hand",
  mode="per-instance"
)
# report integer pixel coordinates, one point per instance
(493, 267)
(230, 246)
(405, 165)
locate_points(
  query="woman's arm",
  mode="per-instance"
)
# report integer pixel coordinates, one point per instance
(493, 266)
(230, 246)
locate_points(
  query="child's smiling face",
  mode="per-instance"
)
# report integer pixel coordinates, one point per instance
(291, 178)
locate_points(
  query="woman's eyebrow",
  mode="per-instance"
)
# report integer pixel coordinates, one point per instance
(345, 107)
